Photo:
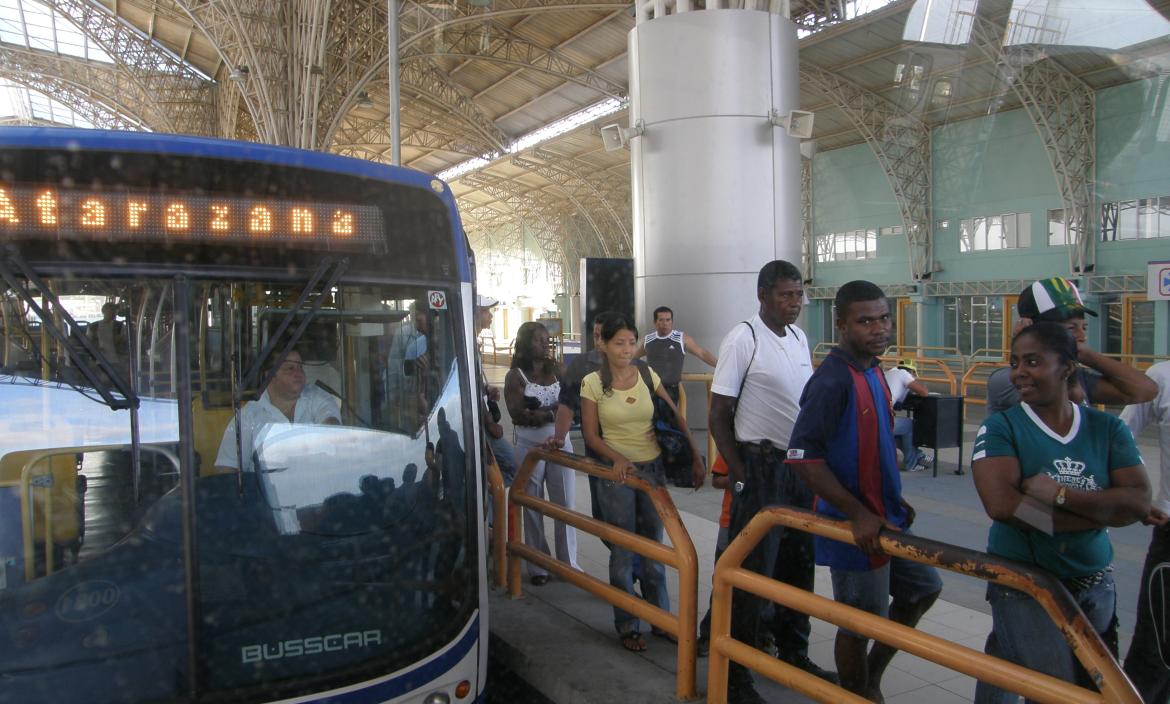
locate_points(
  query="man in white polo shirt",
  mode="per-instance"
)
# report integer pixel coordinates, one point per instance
(286, 400)
(764, 362)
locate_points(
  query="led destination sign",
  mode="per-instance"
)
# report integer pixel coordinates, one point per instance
(52, 212)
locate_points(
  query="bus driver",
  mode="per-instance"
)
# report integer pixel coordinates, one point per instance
(286, 400)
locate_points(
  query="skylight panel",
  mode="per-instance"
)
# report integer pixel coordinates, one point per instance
(537, 136)
(32, 25)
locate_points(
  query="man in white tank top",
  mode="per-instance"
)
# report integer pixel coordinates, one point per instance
(666, 349)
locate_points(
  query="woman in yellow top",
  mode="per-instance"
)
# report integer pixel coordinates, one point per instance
(617, 414)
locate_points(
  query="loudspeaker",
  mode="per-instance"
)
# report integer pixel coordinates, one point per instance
(611, 137)
(606, 284)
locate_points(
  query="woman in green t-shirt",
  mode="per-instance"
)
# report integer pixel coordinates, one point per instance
(617, 414)
(1053, 475)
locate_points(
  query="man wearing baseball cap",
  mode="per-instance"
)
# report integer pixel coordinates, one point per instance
(1101, 379)
(490, 408)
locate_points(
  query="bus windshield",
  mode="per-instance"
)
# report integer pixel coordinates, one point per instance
(329, 533)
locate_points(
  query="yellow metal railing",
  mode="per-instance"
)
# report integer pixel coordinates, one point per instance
(30, 488)
(1086, 645)
(1141, 361)
(705, 379)
(976, 376)
(681, 555)
(499, 533)
(930, 371)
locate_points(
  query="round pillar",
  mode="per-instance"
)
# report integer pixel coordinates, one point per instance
(715, 186)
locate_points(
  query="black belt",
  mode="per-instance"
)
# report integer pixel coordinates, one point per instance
(762, 449)
(1080, 584)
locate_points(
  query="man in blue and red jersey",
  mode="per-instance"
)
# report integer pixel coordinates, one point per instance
(843, 446)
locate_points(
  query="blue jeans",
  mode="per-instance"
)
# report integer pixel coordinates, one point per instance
(505, 457)
(1024, 634)
(632, 510)
(904, 436)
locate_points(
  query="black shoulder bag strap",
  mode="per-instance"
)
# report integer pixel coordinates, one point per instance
(743, 381)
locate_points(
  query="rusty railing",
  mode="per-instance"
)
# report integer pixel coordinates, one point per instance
(680, 556)
(1086, 645)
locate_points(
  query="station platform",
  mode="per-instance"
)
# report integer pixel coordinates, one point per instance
(561, 640)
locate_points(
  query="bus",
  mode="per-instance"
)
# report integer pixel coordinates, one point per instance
(239, 438)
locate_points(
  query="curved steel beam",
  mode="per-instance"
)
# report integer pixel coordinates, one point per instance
(83, 85)
(181, 96)
(498, 45)
(1063, 110)
(901, 143)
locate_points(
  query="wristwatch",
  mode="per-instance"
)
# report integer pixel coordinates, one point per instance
(1061, 496)
(739, 487)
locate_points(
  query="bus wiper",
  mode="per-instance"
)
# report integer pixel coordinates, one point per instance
(251, 379)
(84, 365)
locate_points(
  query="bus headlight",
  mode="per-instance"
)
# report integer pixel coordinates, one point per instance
(437, 698)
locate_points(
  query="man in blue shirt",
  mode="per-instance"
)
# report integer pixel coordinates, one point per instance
(843, 446)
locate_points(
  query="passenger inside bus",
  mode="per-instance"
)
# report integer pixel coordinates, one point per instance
(286, 400)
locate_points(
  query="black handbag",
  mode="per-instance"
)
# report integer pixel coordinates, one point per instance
(677, 457)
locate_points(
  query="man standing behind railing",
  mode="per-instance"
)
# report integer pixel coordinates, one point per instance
(843, 446)
(763, 366)
(1099, 379)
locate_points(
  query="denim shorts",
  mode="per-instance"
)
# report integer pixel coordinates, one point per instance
(870, 590)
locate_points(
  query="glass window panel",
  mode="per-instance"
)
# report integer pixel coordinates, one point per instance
(1127, 221)
(994, 336)
(378, 372)
(1010, 239)
(828, 321)
(966, 236)
(995, 234)
(1023, 230)
(1057, 232)
(909, 324)
(980, 234)
(951, 322)
(1113, 326)
(1164, 216)
(1147, 214)
(1109, 222)
(1142, 327)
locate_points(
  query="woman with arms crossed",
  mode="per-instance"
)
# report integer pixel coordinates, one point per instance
(1053, 476)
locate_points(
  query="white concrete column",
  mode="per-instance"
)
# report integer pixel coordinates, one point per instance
(716, 187)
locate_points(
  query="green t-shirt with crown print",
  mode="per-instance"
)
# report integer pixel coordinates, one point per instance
(1097, 444)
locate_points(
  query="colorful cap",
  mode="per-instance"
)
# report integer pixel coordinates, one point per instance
(1056, 300)
(908, 363)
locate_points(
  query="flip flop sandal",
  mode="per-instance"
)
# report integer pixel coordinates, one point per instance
(634, 642)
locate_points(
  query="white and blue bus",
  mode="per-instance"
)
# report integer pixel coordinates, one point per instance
(178, 522)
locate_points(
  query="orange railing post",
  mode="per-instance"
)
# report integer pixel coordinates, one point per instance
(1114, 686)
(499, 535)
(681, 555)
